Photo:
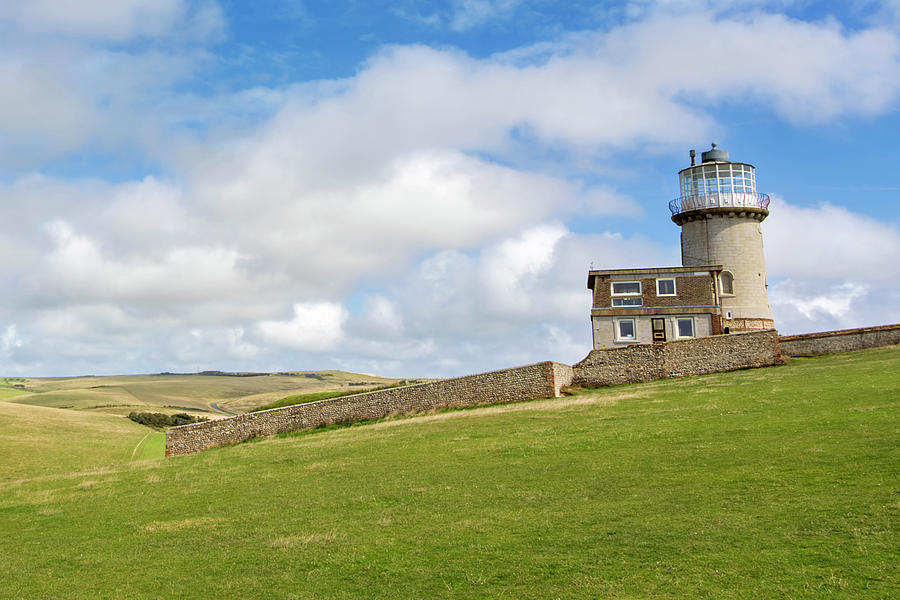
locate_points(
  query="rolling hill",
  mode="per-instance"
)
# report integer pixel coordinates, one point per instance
(200, 394)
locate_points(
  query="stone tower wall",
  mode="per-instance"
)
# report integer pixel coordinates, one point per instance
(733, 240)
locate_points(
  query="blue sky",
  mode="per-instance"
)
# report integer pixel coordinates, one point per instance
(417, 188)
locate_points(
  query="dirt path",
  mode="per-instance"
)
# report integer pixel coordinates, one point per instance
(133, 452)
(215, 406)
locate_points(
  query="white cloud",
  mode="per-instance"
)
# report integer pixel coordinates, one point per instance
(878, 12)
(510, 269)
(586, 92)
(74, 78)
(111, 20)
(830, 268)
(811, 300)
(520, 299)
(10, 340)
(829, 243)
(315, 326)
(809, 305)
(381, 317)
(79, 269)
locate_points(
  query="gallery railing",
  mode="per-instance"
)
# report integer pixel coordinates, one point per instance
(719, 200)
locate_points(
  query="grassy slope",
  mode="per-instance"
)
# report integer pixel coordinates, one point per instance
(125, 393)
(778, 482)
(36, 441)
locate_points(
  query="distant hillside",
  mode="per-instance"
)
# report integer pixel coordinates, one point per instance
(208, 393)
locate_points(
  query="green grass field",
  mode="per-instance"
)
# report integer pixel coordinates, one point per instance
(768, 483)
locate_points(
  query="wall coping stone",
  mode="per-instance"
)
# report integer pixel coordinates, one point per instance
(821, 334)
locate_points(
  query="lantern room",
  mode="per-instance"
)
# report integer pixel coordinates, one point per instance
(717, 182)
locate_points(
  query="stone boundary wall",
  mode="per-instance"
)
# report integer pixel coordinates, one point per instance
(646, 362)
(844, 340)
(540, 380)
(640, 362)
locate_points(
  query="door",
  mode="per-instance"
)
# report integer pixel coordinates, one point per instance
(659, 329)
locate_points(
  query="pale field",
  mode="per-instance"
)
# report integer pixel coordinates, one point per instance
(195, 394)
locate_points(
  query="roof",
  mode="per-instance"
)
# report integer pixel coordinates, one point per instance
(649, 271)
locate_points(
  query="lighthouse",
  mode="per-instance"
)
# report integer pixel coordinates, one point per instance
(720, 287)
(720, 213)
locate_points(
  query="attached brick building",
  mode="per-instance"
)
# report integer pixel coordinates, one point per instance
(721, 287)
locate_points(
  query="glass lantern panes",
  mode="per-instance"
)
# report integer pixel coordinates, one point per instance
(711, 180)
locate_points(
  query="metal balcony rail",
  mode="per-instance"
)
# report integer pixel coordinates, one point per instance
(719, 199)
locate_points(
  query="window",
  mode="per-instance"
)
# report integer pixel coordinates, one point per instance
(625, 329)
(665, 287)
(631, 289)
(628, 301)
(685, 327)
(626, 288)
(727, 282)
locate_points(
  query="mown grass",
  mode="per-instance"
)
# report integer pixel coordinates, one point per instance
(152, 446)
(769, 483)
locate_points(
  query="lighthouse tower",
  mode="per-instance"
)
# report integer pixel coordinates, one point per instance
(720, 212)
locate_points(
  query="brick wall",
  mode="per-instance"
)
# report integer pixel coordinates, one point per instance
(541, 380)
(844, 340)
(691, 290)
(646, 362)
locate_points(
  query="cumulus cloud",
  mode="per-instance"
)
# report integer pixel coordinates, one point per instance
(111, 20)
(78, 269)
(830, 267)
(95, 74)
(315, 326)
(584, 92)
(516, 300)
(830, 242)
(9, 341)
(808, 305)
(812, 301)
(436, 188)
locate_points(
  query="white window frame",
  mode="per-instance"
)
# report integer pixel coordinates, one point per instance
(678, 328)
(618, 331)
(612, 289)
(640, 302)
(674, 286)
